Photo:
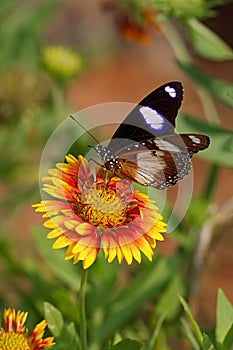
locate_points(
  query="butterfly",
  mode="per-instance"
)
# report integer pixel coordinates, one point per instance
(146, 148)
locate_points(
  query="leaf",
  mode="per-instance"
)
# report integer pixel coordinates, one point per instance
(221, 140)
(189, 334)
(220, 89)
(194, 325)
(65, 304)
(54, 319)
(68, 338)
(168, 302)
(156, 332)
(127, 344)
(207, 344)
(207, 43)
(224, 321)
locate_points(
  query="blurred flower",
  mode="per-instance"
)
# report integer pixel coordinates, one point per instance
(132, 31)
(15, 336)
(61, 63)
(20, 92)
(137, 29)
(88, 214)
(133, 20)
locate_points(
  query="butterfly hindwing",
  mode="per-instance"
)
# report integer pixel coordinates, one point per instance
(159, 161)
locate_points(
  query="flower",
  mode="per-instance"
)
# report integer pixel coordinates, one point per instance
(14, 335)
(60, 62)
(88, 214)
(134, 21)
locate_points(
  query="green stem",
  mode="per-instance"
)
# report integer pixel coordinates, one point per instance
(211, 182)
(154, 338)
(174, 40)
(82, 310)
(59, 103)
(208, 106)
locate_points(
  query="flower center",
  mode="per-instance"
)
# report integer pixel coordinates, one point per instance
(103, 207)
(13, 341)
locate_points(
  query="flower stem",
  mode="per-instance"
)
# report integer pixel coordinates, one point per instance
(82, 310)
(175, 41)
(59, 103)
(211, 182)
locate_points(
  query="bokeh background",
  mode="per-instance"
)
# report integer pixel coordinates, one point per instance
(35, 98)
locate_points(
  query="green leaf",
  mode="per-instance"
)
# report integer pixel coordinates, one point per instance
(66, 305)
(54, 318)
(207, 344)
(194, 325)
(206, 43)
(221, 140)
(156, 332)
(189, 334)
(168, 303)
(224, 321)
(128, 344)
(220, 89)
(68, 339)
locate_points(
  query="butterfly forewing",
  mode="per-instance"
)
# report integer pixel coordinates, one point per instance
(154, 115)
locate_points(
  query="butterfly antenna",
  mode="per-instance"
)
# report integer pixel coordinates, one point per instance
(83, 127)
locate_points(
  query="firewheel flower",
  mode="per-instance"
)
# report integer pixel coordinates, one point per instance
(89, 213)
(15, 336)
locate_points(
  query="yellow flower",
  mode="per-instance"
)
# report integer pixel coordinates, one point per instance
(88, 214)
(60, 62)
(15, 336)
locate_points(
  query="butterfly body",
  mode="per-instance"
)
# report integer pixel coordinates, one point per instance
(145, 148)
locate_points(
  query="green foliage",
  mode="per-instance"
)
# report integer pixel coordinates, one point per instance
(220, 149)
(54, 319)
(206, 43)
(65, 334)
(20, 31)
(223, 331)
(127, 344)
(219, 89)
(224, 323)
(183, 10)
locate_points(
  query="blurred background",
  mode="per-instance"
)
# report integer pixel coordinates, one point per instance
(58, 57)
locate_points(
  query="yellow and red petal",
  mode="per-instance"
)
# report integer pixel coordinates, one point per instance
(14, 335)
(87, 214)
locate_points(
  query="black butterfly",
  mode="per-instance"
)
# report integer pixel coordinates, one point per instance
(145, 148)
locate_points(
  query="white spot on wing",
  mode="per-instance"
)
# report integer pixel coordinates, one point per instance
(171, 91)
(195, 139)
(152, 117)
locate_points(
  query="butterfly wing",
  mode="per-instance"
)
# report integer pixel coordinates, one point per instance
(159, 162)
(145, 147)
(154, 115)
